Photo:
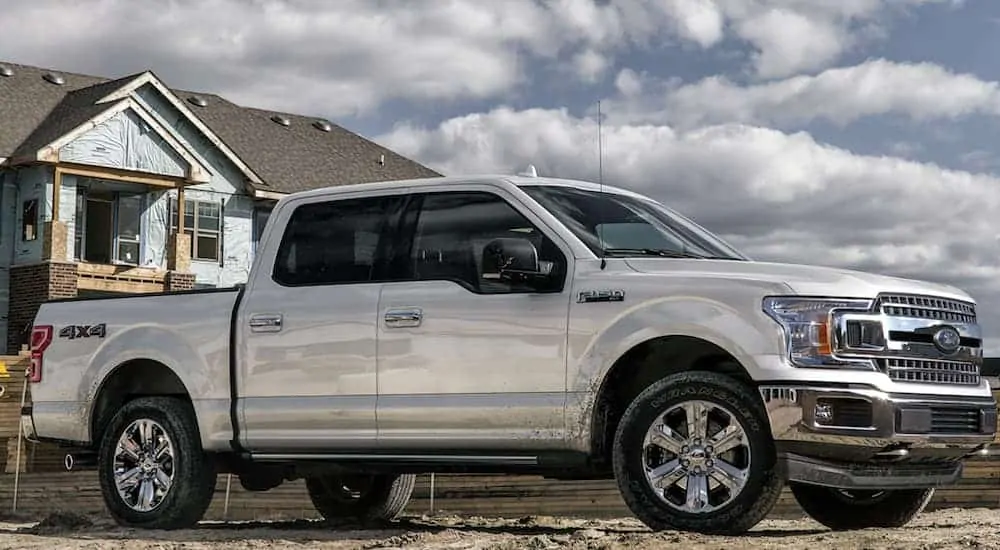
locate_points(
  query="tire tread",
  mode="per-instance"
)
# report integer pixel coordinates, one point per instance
(194, 481)
(748, 509)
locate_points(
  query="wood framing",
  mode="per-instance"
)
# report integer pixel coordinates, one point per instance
(56, 188)
(124, 176)
(114, 278)
(270, 195)
(180, 210)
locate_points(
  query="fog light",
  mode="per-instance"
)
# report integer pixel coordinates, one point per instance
(823, 413)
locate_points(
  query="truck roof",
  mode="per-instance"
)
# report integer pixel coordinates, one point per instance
(463, 179)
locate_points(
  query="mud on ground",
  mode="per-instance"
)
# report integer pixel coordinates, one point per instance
(954, 528)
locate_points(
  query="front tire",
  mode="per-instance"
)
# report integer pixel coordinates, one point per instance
(840, 509)
(368, 499)
(151, 466)
(693, 452)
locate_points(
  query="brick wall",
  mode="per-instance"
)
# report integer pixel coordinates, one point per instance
(30, 285)
(176, 280)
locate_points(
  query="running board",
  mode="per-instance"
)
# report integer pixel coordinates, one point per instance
(392, 458)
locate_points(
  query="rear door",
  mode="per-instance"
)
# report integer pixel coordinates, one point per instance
(307, 379)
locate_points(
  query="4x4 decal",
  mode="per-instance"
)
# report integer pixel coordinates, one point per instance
(73, 332)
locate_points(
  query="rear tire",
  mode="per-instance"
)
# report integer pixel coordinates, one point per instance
(727, 456)
(151, 448)
(368, 499)
(842, 510)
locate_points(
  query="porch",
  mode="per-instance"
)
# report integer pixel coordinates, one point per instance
(111, 232)
(123, 230)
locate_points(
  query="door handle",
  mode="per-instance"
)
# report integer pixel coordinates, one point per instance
(265, 323)
(404, 317)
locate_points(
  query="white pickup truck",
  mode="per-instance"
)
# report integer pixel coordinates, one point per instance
(519, 325)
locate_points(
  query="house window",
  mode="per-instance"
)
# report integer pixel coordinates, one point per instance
(108, 224)
(29, 220)
(129, 213)
(203, 222)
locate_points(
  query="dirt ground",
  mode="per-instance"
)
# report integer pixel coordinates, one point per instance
(955, 528)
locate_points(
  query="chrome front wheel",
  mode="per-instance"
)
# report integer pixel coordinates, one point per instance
(696, 456)
(693, 452)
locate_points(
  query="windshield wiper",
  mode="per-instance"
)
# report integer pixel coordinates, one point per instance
(662, 252)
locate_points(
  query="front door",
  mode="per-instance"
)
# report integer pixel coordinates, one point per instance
(465, 360)
(308, 379)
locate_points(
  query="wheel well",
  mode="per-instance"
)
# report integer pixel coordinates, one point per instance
(132, 379)
(641, 366)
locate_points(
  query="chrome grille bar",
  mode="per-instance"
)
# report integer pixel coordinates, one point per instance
(931, 371)
(927, 307)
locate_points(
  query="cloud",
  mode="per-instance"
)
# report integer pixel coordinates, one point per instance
(841, 95)
(777, 196)
(590, 65)
(351, 56)
(792, 36)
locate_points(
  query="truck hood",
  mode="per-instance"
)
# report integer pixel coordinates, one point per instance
(803, 279)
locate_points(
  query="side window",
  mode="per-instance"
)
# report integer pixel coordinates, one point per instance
(331, 242)
(452, 230)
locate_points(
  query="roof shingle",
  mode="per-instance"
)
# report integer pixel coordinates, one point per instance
(297, 157)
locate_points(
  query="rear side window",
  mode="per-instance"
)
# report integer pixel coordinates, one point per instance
(334, 242)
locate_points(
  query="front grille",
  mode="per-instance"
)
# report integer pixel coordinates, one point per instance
(931, 371)
(927, 307)
(955, 420)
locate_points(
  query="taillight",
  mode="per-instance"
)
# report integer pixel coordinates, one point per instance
(41, 337)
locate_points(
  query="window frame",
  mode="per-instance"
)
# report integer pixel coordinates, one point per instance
(394, 204)
(191, 205)
(32, 206)
(115, 240)
(409, 221)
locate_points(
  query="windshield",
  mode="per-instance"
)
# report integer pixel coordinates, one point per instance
(621, 225)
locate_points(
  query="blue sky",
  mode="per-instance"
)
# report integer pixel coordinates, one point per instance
(851, 133)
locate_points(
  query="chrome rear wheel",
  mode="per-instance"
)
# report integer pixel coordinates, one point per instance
(144, 465)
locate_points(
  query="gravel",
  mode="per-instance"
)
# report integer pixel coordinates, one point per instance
(954, 528)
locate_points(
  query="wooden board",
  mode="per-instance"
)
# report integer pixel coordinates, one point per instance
(11, 389)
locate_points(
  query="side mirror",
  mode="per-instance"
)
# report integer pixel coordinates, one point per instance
(513, 259)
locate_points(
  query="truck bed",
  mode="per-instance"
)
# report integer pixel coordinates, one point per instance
(189, 331)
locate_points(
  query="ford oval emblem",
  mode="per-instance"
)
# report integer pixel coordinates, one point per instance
(947, 339)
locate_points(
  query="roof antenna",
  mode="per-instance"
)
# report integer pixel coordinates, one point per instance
(530, 172)
(600, 182)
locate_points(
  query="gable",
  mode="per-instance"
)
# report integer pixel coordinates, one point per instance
(148, 80)
(127, 142)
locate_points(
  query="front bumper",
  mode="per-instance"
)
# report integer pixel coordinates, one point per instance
(863, 438)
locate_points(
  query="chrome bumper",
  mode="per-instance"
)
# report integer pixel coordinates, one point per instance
(874, 419)
(861, 438)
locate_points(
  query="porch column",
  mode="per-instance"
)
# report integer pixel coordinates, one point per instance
(54, 237)
(179, 242)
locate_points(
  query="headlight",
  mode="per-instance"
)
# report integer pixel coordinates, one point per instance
(809, 329)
